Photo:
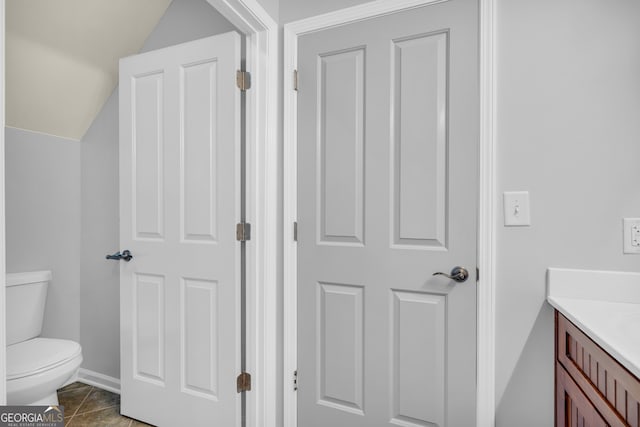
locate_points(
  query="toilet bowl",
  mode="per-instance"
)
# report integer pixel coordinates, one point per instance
(36, 367)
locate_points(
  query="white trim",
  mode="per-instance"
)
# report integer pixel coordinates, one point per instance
(290, 215)
(487, 162)
(3, 251)
(354, 14)
(96, 379)
(486, 370)
(262, 204)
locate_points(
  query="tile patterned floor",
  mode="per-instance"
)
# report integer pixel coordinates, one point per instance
(87, 406)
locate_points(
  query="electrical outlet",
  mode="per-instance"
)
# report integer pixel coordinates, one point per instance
(631, 237)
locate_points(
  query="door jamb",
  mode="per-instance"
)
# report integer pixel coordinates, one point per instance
(3, 251)
(485, 360)
(261, 33)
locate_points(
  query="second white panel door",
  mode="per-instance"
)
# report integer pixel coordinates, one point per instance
(387, 195)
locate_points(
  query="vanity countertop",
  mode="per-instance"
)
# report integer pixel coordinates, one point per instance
(605, 305)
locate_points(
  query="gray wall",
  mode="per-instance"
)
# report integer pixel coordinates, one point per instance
(184, 20)
(568, 131)
(42, 179)
(272, 7)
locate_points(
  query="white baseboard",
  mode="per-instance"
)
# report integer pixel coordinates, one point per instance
(96, 379)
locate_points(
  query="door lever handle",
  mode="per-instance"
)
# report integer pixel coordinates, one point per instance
(125, 255)
(459, 274)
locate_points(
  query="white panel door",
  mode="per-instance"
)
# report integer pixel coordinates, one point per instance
(387, 195)
(179, 203)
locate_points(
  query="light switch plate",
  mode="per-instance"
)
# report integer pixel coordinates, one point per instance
(631, 236)
(516, 209)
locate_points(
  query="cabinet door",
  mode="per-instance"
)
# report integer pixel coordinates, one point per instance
(573, 409)
(614, 391)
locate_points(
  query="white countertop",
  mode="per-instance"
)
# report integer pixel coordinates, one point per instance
(605, 305)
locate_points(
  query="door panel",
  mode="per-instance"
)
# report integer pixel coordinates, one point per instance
(147, 140)
(341, 343)
(199, 146)
(341, 144)
(180, 294)
(419, 128)
(148, 328)
(418, 360)
(387, 195)
(199, 344)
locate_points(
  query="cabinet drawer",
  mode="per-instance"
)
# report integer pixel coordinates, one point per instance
(613, 390)
(573, 408)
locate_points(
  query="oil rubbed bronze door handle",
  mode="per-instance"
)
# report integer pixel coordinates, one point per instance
(125, 255)
(459, 274)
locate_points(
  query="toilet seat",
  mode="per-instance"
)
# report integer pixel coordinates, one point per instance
(38, 355)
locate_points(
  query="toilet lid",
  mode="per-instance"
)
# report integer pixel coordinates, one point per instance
(38, 354)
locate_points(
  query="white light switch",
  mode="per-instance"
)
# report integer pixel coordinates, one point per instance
(516, 208)
(631, 227)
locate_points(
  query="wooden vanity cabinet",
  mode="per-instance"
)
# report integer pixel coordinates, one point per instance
(592, 388)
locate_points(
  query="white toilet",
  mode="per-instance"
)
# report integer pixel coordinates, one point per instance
(36, 367)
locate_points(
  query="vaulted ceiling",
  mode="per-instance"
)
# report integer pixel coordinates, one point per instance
(62, 58)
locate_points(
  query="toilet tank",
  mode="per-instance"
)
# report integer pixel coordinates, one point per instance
(26, 296)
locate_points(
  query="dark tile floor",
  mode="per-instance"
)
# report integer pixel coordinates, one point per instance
(87, 406)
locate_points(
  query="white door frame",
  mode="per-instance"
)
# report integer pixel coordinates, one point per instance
(487, 196)
(261, 33)
(3, 249)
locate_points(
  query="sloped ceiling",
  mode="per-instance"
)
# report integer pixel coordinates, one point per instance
(62, 58)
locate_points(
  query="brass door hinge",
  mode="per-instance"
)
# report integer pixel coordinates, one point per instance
(243, 231)
(244, 382)
(243, 80)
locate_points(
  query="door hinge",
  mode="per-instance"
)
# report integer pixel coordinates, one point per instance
(295, 380)
(477, 274)
(243, 231)
(244, 382)
(295, 231)
(243, 80)
(295, 80)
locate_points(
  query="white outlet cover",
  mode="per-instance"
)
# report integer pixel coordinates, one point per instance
(631, 236)
(516, 209)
